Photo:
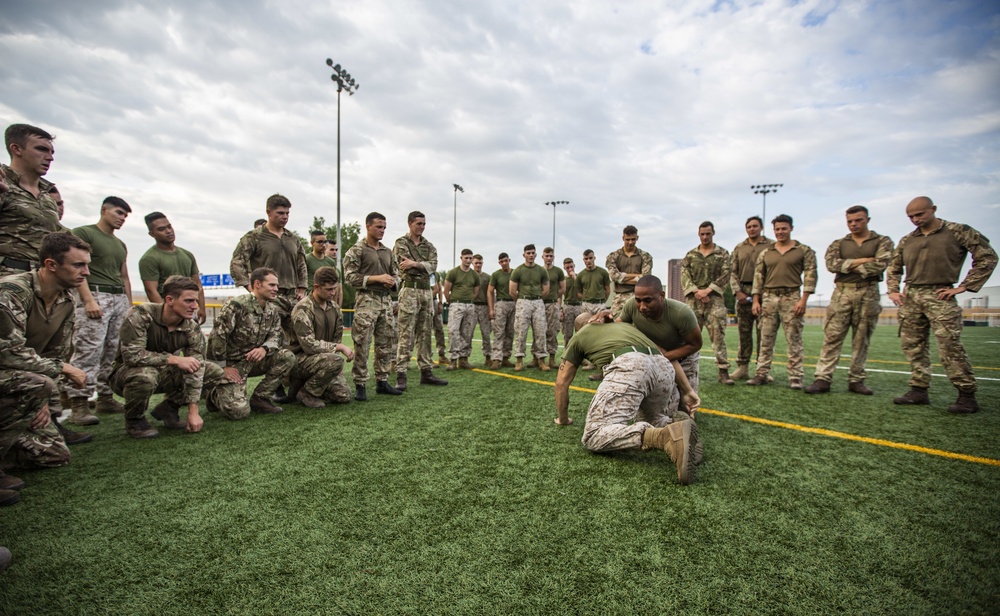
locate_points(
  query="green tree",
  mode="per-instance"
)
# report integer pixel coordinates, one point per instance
(349, 234)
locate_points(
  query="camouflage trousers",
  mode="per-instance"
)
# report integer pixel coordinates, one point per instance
(323, 376)
(778, 309)
(485, 329)
(461, 324)
(530, 313)
(137, 384)
(636, 387)
(284, 302)
(416, 320)
(373, 320)
(552, 326)
(274, 368)
(853, 309)
(921, 313)
(592, 307)
(22, 396)
(503, 329)
(713, 315)
(569, 314)
(748, 323)
(619, 302)
(439, 334)
(95, 342)
(691, 366)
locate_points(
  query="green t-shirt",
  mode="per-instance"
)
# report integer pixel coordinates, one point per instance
(593, 283)
(556, 276)
(484, 282)
(597, 342)
(313, 264)
(157, 264)
(463, 284)
(676, 322)
(529, 281)
(571, 298)
(107, 255)
(501, 282)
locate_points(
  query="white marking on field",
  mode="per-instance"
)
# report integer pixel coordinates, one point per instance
(906, 372)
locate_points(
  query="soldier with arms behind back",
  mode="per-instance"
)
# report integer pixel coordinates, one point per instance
(744, 257)
(705, 273)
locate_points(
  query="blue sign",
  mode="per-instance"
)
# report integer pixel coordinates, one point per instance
(227, 281)
(211, 280)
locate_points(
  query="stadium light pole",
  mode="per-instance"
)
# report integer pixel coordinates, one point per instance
(763, 189)
(554, 204)
(454, 227)
(344, 82)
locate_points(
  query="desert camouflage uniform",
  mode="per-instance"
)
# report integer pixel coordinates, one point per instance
(31, 358)
(483, 316)
(285, 255)
(933, 262)
(141, 368)
(372, 309)
(97, 342)
(553, 311)
(415, 316)
(778, 308)
(618, 264)
(503, 316)
(24, 221)
(744, 259)
(318, 363)
(571, 309)
(242, 325)
(700, 272)
(854, 305)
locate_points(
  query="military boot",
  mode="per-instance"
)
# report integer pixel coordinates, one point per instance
(140, 429)
(452, 365)
(495, 364)
(309, 400)
(676, 439)
(464, 364)
(506, 363)
(360, 394)
(9, 497)
(966, 403)
(81, 415)
(427, 378)
(5, 558)
(543, 365)
(519, 366)
(795, 384)
(169, 413)
(401, 381)
(263, 404)
(10, 483)
(916, 395)
(106, 403)
(724, 377)
(552, 361)
(383, 387)
(859, 387)
(534, 362)
(759, 380)
(741, 372)
(818, 387)
(71, 437)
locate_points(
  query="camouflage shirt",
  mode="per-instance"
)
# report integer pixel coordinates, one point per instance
(25, 219)
(424, 252)
(316, 329)
(30, 339)
(937, 258)
(362, 261)
(841, 254)
(261, 248)
(775, 270)
(618, 264)
(242, 325)
(744, 259)
(701, 272)
(145, 341)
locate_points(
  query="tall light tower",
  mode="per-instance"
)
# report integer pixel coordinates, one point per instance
(554, 204)
(344, 82)
(763, 189)
(454, 227)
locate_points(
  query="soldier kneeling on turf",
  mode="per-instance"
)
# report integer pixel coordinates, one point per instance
(161, 349)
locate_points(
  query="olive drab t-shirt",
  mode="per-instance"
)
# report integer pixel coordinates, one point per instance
(676, 322)
(108, 254)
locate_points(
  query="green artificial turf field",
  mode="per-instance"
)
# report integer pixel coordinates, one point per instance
(467, 499)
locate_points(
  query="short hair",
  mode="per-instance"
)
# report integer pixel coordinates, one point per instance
(19, 133)
(477, 256)
(630, 230)
(782, 218)
(413, 216)
(153, 217)
(177, 284)
(275, 201)
(707, 223)
(259, 222)
(650, 281)
(116, 202)
(372, 217)
(754, 217)
(588, 252)
(314, 233)
(502, 256)
(56, 245)
(466, 251)
(332, 240)
(854, 209)
(548, 250)
(325, 276)
(528, 247)
(259, 274)
(568, 260)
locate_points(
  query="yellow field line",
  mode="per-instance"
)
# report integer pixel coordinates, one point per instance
(789, 426)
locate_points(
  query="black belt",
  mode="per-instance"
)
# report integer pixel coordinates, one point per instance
(19, 264)
(458, 301)
(371, 292)
(746, 283)
(550, 301)
(107, 288)
(634, 349)
(930, 286)
(479, 303)
(571, 303)
(417, 284)
(530, 299)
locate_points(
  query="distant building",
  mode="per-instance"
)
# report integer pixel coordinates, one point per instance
(987, 297)
(674, 288)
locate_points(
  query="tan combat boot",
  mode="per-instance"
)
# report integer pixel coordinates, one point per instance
(724, 377)
(544, 366)
(464, 364)
(519, 366)
(506, 363)
(106, 403)
(677, 439)
(552, 361)
(81, 415)
(741, 372)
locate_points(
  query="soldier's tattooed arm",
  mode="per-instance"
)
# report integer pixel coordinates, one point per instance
(567, 372)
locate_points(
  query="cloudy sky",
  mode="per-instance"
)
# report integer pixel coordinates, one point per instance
(657, 114)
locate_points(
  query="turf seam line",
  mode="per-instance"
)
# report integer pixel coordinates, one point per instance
(789, 426)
